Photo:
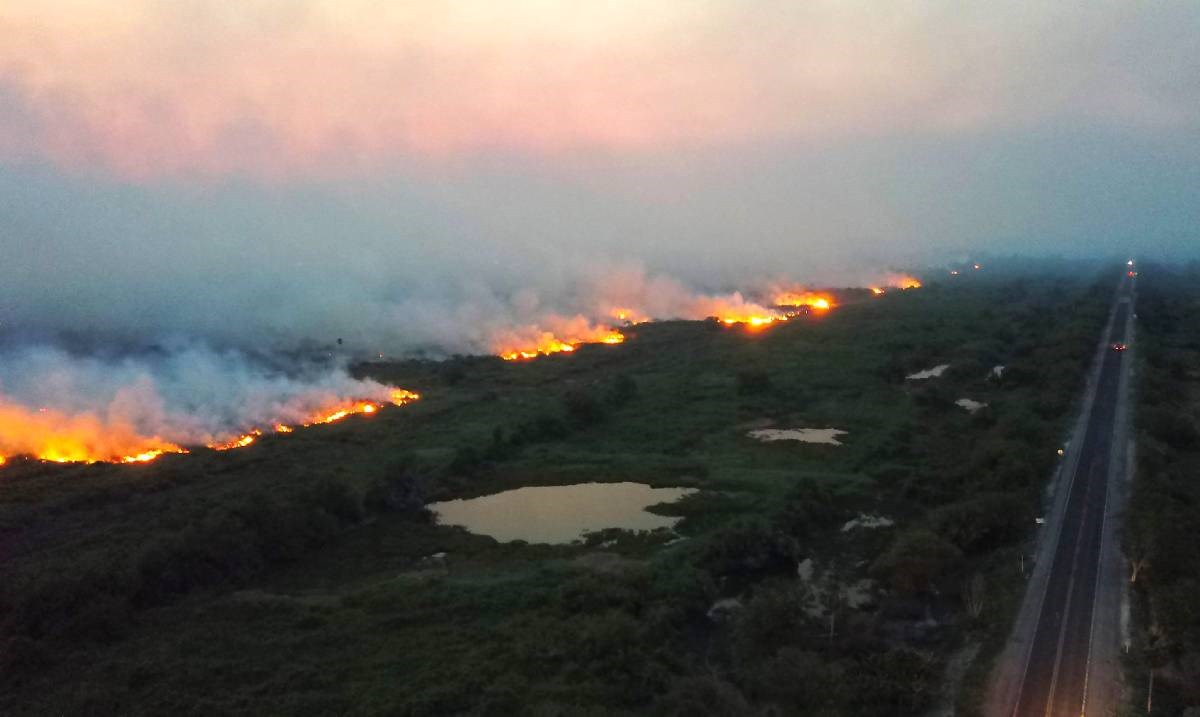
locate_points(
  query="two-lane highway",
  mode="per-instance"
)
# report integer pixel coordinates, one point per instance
(1056, 670)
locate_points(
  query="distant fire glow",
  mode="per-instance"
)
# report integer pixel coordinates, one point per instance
(903, 281)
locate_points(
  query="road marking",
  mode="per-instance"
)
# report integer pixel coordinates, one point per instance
(1122, 388)
(1066, 611)
(1089, 403)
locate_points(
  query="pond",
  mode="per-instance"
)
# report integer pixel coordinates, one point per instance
(561, 513)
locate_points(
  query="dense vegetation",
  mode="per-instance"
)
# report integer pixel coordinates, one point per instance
(302, 574)
(1164, 512)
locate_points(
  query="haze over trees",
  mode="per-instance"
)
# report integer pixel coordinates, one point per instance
(307, 566)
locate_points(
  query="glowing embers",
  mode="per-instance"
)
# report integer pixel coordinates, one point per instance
(398, 397)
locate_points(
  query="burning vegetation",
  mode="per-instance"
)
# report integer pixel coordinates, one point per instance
(71, 434)
(399, 397)
(902, 281)
(50, 435)
(813, 300)
(558, 335)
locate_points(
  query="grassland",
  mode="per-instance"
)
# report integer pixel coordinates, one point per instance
(294, 576)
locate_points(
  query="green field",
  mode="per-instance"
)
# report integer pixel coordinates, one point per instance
(293, 577)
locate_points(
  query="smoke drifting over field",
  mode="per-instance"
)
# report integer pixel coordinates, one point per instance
(479, 177)
(59, 406)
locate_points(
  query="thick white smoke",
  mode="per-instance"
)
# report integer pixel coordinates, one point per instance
(56, 404)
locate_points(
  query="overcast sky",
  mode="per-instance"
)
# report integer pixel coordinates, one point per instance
(308, 168)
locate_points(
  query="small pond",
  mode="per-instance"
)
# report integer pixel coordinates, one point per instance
(561, 513)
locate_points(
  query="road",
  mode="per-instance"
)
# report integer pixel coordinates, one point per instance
(1059, 660)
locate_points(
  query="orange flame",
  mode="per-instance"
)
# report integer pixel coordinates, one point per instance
(811, 299)
(564, 337)
(752, 322)
(399, 397)
(50, 435)
(629, 316)
(903, 281)
(877, 291)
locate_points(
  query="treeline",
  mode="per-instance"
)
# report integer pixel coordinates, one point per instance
(578, 408)
(1163, 516)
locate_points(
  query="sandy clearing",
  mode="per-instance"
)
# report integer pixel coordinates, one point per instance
(807, 435)
(969, 405)
(928, 373)
(867, 521)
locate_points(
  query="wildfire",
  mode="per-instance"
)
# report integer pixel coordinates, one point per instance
(811, 299)
(142, 457)
(877, 291)
(50, 435)
(628, 316)
(902, 281)
(754, 322)
(239, 442)
(564, 335)
(399, 397)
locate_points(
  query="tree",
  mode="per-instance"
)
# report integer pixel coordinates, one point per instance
(916, 559)
(973, 596)
(582, 407)
(753, 382)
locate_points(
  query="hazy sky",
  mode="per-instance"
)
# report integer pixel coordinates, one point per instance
(293, 168)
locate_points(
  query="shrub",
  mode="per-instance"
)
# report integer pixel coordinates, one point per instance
(916, 559)
(748, 547)
(753, 382)
(582, 407)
